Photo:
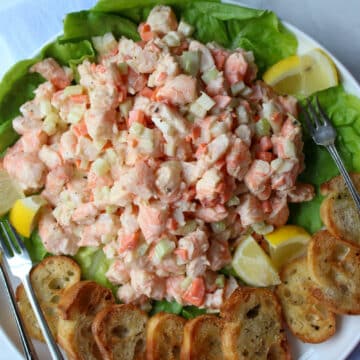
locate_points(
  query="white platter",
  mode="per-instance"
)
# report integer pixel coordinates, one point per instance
(336, 348)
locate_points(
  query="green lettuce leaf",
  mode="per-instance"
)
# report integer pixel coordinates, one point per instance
(172, 307)
(344, 112)
(190, 312)
(85, 24)
(35, 247)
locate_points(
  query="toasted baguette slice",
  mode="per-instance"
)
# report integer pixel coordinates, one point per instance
(334, 265)
(338, 211)
(337, 184)
(254, 327)
(307, 318)
(202, 339)
(49, 278)
(78, 306)
(164, 335)
(120, 332)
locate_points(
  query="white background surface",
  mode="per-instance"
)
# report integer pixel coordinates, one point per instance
(26, 25)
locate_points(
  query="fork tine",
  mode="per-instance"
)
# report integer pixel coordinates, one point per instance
(20, 242)
(307, 119)
(4, 247)
(313, 113)
(325, 118)
(8, 238)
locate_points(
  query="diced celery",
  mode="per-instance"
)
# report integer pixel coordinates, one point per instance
(220, 281)
(210, 75)
(84, 164)
(189, 227)
(110, 209)
(76, 113)
(49, 124)
(242, 115)
(190, 62)
(73, 90)
(172, 39)
(111, 156)
(164, 247)
(262, 228)
(136, 129)
(246, 91)
(100, 167)
(218, 227)
(262, 127)
(237, 88)
(125, 107)
(234, 201)
(205, 101)
(123, 68)
(142, 249)
(45, 107)
(186, 283)
(197, 110)
(185, 28)
(104, 43)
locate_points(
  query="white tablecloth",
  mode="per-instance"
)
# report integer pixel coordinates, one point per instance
(26, 24)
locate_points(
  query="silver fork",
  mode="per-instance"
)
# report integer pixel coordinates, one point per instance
(323, 133)
(20, 265)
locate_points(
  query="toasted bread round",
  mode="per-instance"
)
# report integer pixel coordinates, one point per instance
(254, 327)
(164, 336)
(308, 319)
(120, 332)
(334, 266)
(341, 218)
(337, 184)
(78, 306)
(202, 339)
(49, 279)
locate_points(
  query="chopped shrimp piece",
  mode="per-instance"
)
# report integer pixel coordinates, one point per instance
(50, 157)
(127, 294)
(289, 103)
(180, 90)
(284, 175)
(162, 20)
(250, 210)
(219, 254)
(280, 211)
(23, 125)
(197, 266)
(206, 60)
(152, 220)
(220, 56)
(100, 124)
(166, 68)
(53, 72)
(31, 110)
(215, 149)
(168, 179)
(55, 182)
(118, 273)
(195, 293)
(195, 244)
(67, 148)
(210, 188)
(32, 141)
(53, 236)
(301, 193)
(128, 220)
(238, 159)
(235, 68)
(230, 286)
(174, 290)
(211, 214)
(148, 284)
(136, 81)
(128, 241)
(26, 168)
(214, 300)
(85, 214)
(257, 179)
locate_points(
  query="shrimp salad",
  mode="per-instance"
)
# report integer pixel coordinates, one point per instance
(163, 153)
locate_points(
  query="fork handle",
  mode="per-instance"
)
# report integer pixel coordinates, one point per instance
(26, 343)
(53, 348)
(349, 183)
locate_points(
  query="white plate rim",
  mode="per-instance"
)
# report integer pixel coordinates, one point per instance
(305, 42)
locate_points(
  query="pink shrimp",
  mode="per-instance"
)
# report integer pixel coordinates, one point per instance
(280, 211)
(174, 290)
(197, 266)
(67, 147)
(50, 157)
(211, 214)
(301, 193)
(238, 159)
(99, 124)
(219, 254)
(250, 210)
(118, 272)
(235, 68)
(285, 177)
(53, 72)
(23, 125)
(162, 19)
(85, 214)
(257, 179)
(194, 244)
(180, 90)
(289, 103)
(33, 140)
(136, 81)
(152, 221)
(53, 236)
(147, 283)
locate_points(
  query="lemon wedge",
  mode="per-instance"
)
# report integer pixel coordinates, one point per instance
(9, 192)
(303, 74)
(24, 213)
(287, 243)
(253, 265)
